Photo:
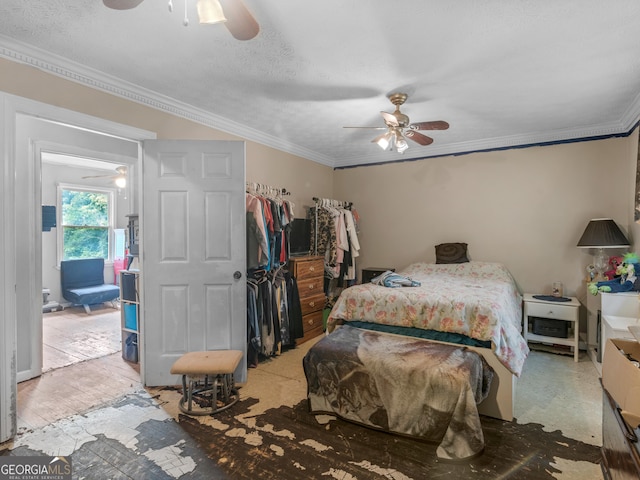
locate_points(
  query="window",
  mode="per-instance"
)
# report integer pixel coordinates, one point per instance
(85, 229)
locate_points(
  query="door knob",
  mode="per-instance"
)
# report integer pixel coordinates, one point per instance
(237, 275)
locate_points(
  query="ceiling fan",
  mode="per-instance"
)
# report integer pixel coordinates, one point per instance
(235, 15)
(120, 177)
(399, 128)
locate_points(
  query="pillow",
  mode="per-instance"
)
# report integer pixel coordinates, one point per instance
(451, 253)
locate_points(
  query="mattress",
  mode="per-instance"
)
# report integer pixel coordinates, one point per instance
(479, 300)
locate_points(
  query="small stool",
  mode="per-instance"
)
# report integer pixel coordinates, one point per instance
(210, 381)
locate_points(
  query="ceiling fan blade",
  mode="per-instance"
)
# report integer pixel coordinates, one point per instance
(121, 4)
(435, 125)
(240, 22)
(390, 119)
(418, 137)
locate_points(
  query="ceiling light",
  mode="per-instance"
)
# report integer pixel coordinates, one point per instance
(401, 143)
(383, 140)
(210, 12)
(121, 181)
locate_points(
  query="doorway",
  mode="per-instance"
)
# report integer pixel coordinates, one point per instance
(217, 163)
(21, 284)
(36, 138)
(75, 345)
(70, 335)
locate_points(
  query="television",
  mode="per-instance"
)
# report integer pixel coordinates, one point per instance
(300, 237)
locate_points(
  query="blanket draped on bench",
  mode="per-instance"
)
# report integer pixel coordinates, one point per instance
(403, 385)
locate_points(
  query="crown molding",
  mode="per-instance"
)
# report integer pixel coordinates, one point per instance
(78, 73)
(569, 135)
(631, 116)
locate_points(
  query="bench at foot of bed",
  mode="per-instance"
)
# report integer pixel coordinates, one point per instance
(409, 386)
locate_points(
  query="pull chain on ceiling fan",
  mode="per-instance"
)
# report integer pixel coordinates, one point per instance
(233, 13)
(399, 128)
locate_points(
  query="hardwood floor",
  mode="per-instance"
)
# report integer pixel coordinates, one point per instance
(71, 336)
(82, 367)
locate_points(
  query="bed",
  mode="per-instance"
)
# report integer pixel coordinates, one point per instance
(403, 385)
(473, 303)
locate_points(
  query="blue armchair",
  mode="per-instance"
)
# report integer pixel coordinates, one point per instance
(83, 284)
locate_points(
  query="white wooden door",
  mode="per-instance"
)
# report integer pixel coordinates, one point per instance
(192, 253)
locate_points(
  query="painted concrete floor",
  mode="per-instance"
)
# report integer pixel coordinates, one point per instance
(56, 420)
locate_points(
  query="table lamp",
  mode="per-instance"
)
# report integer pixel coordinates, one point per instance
(602, 233)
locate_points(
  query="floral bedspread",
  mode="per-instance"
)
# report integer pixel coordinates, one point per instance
(477, 299)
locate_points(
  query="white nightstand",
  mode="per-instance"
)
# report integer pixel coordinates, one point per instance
(566, 311)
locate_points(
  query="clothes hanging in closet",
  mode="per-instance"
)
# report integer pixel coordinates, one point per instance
(268, 225)
(274, 314)
(336, 240)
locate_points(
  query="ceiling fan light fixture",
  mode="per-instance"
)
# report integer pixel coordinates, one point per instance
(121, 181)
(210, 12)
(399, 127)
(383, 140)
(401, 143)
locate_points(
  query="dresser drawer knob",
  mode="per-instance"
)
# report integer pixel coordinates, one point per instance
(312, 286)
(312, 304)
(312, 269)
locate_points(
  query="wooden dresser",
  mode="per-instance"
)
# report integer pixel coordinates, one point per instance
(309, 274)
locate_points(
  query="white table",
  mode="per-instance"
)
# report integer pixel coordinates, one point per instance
(567, 311)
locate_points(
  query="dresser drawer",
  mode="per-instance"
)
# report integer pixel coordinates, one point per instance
(312, 320)
(312, 304)
(309, 269)
(312, 326)
(310, 287)
(546, 310)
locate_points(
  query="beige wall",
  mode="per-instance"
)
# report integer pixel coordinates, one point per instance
(526, 207)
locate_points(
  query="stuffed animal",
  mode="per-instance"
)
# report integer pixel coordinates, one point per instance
(625, 281)
(614, 263)
(591, 272)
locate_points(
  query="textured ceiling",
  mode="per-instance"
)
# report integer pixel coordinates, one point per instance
(502, 73)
